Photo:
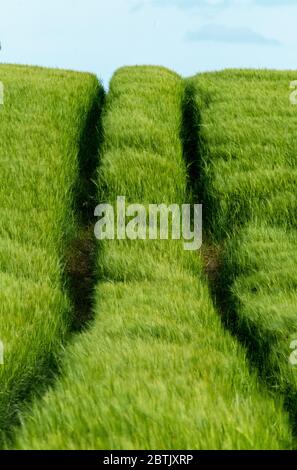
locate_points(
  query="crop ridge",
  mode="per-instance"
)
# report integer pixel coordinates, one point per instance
(38, 224)
(250, 252)
(156, 358)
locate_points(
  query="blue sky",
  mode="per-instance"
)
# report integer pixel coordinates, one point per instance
(186, 35)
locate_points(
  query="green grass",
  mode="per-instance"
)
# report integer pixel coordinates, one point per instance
(260, 270)
(41, 129)
(156, 370)
(247, 151)
(245, 128)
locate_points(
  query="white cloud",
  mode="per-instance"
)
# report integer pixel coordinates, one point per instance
(220, 33)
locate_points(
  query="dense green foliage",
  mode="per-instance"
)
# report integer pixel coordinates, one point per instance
(156, 369)
(41, 125)
(259, 267)
(247, 156)
(247, 153)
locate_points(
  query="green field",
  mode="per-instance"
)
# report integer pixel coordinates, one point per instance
(262, 297)
(42, 125)
(247, 161)
(179, 349)
(247, 148)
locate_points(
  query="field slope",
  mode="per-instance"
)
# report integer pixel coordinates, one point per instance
(247, 148)
(260, 266)
(248, 169)
(156, 370)
(41, 126)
